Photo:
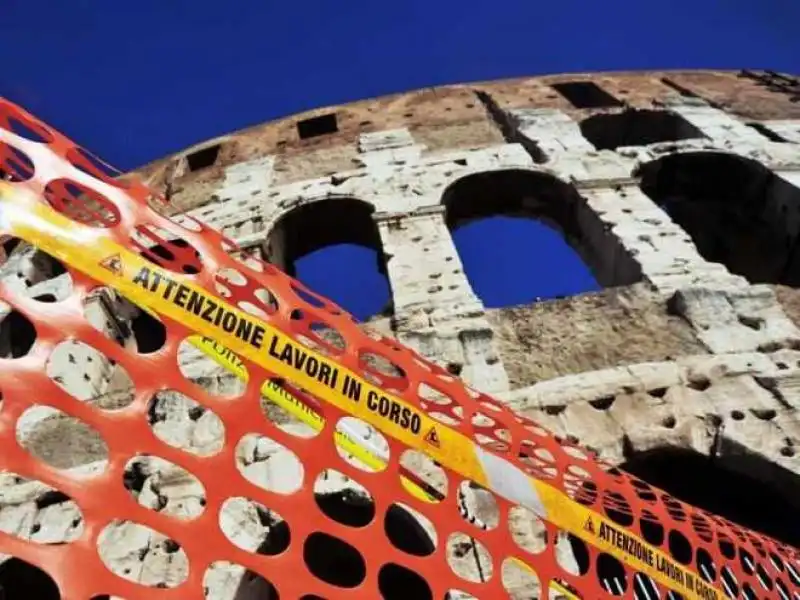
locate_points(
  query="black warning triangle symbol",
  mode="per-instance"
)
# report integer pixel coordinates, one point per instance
(589, 526)
(112, 263)
(432, 437)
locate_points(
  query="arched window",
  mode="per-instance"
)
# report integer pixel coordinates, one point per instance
(706, 483)
(333, 246)
(518, 236)
(637, 128)
(736, 211)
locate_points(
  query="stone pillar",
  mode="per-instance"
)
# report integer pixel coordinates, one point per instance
(435, 309)
(551, 130)
(424, 268)
(716, 124)
(380, 150)
(275, 248)
(664, 253)
(728, 314)
(239, 210)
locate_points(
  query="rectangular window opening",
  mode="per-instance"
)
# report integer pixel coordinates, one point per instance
(203, 158)
(585, 94)
(316, 126)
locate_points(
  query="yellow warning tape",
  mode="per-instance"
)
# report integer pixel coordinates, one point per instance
(174, 296)
(276, 394)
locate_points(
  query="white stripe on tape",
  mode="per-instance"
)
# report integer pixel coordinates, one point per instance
(509, 481)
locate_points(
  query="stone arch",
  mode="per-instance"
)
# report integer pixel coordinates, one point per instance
(637, 127)
(339, 223)
(747, 496)
(557, 220)
(737, 212)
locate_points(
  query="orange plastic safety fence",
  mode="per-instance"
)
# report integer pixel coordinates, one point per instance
(34, 157)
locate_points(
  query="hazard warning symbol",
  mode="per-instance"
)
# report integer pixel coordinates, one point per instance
(112, 263)
(589, 526)
(432, 437)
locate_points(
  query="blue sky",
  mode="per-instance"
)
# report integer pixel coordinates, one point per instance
(134, 81)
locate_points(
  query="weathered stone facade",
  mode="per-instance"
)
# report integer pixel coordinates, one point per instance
(680, 190)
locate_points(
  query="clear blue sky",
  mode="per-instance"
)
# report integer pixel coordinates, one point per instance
(134, 81)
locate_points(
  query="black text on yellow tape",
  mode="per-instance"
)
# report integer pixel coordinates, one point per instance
(278, 347)
(651, 560)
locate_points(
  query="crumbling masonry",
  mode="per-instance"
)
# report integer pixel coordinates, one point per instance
(680, 190)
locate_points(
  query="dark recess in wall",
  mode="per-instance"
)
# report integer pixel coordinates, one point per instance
(586, 94)
(204, 158)
(316, 126)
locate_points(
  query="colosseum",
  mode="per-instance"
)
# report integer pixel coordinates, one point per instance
(679, 190)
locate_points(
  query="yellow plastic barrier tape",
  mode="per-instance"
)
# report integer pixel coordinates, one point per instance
(176, 297)
(348, 441)
(562, 589)
(608, 536)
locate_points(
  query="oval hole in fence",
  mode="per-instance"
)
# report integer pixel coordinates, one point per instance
(527, 530)
(28, 129)
(52, 507)
(679, 547)
(58, 439)
(225, 580)
(20, 579)
(183, 423)
(480, 504)
(15, 165)
(334, 561)
(369, 451)
(153, 547)
(164, 487)
(611, 575)
(644, 588)
(343, 499)
(424, 469)
(269, 465)
(33, 273)
(652, 529)
(289, 410)
(468, 558)
(572, 554)
(212, 366)
(167, 251)
(82, 204)
(149, 332)
(520, 580)
(90, 376)
(253, 527)
(396, 582)
(18, 334)
(409, 530)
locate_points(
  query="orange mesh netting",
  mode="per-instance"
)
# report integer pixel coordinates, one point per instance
(623, 519)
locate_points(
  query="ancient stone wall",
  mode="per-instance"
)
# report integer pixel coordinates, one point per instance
(681, 191)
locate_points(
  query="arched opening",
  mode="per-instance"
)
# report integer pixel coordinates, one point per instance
(518, 234)
(736, 211)
(706, 482)
(333, 246)
(637, 128)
